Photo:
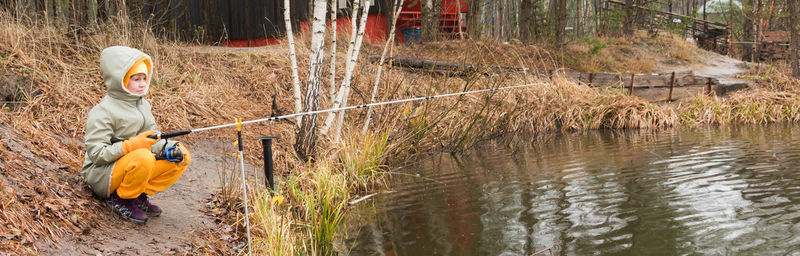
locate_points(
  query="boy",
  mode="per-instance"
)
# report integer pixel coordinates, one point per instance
(119, 164)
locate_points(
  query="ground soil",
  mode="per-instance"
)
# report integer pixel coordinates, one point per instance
(183, 219)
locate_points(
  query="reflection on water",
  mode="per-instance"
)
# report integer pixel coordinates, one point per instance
(730, 190)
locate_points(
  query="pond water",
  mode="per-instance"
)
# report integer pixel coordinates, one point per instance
(715, 190)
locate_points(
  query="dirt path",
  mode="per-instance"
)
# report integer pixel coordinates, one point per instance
(182, 219)
(722, 67)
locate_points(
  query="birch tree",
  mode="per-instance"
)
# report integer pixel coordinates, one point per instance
(334, 10)
(298, 103)
(350, 69)
(352, 56)
(397, 9)
(337, 101)
(307, 134)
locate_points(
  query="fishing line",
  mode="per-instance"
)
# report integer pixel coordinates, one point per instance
(184, 132)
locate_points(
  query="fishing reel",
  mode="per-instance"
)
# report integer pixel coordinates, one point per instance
(172, 154)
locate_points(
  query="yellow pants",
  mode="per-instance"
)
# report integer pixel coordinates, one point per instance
(139, 172)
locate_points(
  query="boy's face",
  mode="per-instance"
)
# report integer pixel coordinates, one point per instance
(137, 84)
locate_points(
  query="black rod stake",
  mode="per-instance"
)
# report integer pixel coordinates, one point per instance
(266, 143)
(671, 85)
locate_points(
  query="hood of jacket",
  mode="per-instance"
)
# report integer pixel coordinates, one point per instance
(115, 61)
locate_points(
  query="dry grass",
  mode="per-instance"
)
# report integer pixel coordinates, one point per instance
(772, 98)
(775, 76)
(561, 105)
(757, 106)
(639, 53)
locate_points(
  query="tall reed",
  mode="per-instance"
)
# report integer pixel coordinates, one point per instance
(319, 198)
(756, 106)
(275, 230)
(362, 158)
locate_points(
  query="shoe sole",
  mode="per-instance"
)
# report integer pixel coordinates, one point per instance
(134, 220)
(126, 217)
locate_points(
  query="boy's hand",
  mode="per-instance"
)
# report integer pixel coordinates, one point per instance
(140, 141)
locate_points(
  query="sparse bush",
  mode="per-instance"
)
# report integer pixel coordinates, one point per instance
(596, 45)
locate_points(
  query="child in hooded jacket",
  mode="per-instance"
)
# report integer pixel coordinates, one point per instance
(120, 164)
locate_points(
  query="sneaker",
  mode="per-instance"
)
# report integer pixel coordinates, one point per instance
(146, 206)
(126, 208)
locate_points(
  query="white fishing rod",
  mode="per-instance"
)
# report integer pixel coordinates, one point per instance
(184, 132)
(244, 183)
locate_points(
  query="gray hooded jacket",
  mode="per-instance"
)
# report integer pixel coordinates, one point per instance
(120, 115)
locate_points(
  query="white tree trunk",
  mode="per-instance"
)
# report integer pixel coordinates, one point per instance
(334, 10)
(458, 18)
(337, 102)
(307, 134)
(389, 41)
(317, 43)
(298, 104)
(349, 72)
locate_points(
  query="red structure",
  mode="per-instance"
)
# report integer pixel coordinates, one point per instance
(376, 30)
(257, 42)
(449, 19)
(409, 21)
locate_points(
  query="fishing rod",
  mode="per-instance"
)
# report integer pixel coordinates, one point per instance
(188, 131)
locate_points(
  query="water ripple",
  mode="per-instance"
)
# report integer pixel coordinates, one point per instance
(731, 190)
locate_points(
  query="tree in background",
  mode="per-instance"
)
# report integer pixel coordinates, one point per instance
(748, 31)
(473, 18)
(560, 18)
(430, 19)
(627, 25)
(794, 39)
(527, 20)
